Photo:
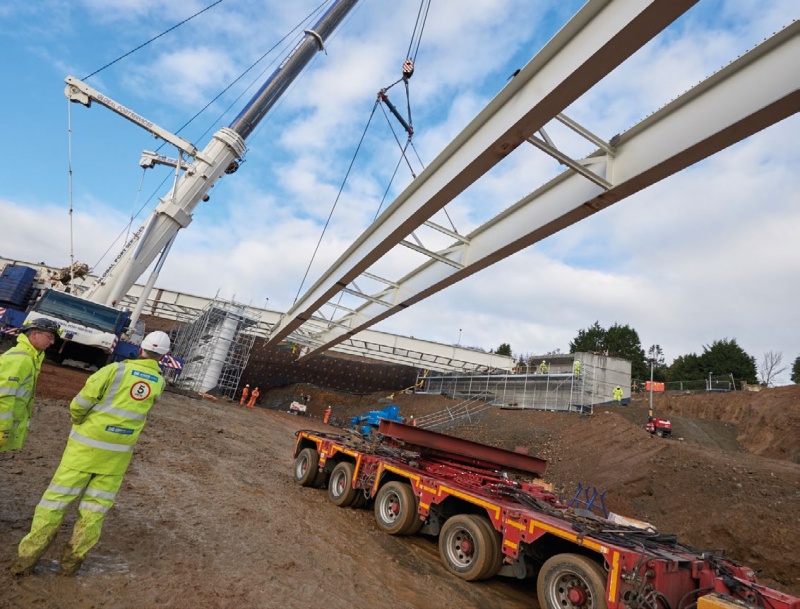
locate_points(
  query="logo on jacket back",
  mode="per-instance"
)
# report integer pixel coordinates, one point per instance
(123, 430)
(144, 375)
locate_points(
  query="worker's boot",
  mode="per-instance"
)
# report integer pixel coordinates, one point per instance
(70, 562)
(24, 565)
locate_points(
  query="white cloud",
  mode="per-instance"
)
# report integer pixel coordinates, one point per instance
(707, 254)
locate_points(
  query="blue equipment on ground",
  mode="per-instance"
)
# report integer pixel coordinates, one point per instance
(370, 421)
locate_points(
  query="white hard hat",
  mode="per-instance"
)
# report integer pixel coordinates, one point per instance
(157, 342)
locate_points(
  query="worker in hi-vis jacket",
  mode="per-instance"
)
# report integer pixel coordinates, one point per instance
(108, 415)
(19, 369)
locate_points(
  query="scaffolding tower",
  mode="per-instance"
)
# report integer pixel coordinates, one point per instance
(214, 348)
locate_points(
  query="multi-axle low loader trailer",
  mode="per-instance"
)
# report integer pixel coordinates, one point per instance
(493, 515)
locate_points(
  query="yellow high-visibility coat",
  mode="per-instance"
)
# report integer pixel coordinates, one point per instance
(19, 369)
(108, 415)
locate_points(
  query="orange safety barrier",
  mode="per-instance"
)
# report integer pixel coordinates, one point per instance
(656, 386)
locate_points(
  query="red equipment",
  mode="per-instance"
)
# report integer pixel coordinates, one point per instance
(659, 426)
(494, 516)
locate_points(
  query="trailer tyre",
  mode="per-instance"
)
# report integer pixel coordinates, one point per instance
(494, 548)
(306, 467)
(396, 509)
(466, 547)
(571, 581)
(340, 485)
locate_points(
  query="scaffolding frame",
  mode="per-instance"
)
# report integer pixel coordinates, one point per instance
(215, 348)
(562, 387)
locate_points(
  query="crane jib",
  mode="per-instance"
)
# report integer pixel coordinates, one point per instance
(287, 71)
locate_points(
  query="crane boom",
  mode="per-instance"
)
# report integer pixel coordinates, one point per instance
(227, 146)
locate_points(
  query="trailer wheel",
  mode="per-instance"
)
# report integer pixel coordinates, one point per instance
(396, 509)
(494, 548)
(465, 547)
(660, 433)
(306, 467)
(340, 484)
(571, 581)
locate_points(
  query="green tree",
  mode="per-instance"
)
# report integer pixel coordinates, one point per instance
(589, 340)
(686, 368)
(727, 357)
(617, 341)
(656, 353)
(796, 370)
(504, 349)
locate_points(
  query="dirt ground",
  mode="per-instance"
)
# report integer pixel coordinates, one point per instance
(209, 515)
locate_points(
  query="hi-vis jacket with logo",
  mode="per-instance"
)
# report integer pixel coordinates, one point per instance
(109, 413)
(19, 369)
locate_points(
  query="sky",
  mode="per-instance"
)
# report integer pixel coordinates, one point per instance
(708, 254)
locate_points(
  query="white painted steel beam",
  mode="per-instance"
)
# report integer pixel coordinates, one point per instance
(757, 90)
(594, 42)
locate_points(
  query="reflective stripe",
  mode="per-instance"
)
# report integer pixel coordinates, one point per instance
(129, 414)
(8, 391)
(83, 402)
(65, 490)
(112, 390)
(98, 444)
(93, 507)
(6, 415)
(54, 505)
(93, 492)
(10, 353)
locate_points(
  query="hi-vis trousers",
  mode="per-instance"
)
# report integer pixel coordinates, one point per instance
(99, 492)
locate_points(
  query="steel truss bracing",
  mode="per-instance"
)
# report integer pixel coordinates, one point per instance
(755, 91)
(381, 346)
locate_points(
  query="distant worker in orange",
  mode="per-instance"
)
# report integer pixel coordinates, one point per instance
(253, 398)
(245, 393)
(327, 416)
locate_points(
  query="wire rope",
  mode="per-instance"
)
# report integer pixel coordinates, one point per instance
(255, 63)
(144, 44)
(341, 189)
(69, 180)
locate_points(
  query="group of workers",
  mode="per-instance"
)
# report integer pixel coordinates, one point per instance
(253, 396)
(108, 414)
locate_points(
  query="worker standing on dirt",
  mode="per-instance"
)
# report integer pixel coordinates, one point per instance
(245, 393)
(108, 415)
(618, 395)
(327, 416)
(253, 398)
(19, 370)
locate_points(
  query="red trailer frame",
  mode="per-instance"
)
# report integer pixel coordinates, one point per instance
(493, 514)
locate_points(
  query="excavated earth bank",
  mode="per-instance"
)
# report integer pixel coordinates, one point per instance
(209, 515)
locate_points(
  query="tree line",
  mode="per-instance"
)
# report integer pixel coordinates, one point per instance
(721, 357)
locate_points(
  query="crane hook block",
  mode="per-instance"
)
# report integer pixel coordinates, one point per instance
(408, 69)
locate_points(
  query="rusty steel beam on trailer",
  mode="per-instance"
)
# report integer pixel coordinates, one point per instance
(425, 438)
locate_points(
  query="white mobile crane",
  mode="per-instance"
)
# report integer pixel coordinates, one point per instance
(94, 322)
